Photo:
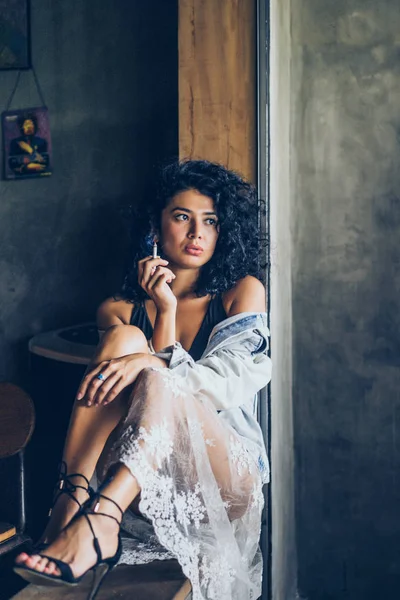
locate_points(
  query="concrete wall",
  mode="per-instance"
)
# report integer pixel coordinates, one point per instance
(345, 214)
(108, 71)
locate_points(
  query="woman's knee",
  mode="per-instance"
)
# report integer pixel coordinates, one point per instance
(120, 340)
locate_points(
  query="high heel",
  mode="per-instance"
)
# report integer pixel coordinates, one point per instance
(65, 485)
(100, 569)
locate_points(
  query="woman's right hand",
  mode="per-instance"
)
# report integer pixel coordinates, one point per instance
(154, 277)
(106, 380)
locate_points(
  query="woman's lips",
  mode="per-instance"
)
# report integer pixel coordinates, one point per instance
(193, 250)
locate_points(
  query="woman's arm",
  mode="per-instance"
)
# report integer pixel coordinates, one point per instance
(155, 277)
(248, 295)
(231, 374)
(124, 369)
(164, 329)
(240, 368)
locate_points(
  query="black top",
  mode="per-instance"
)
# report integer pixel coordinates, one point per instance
(215, 314)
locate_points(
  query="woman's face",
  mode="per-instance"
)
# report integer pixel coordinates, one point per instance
(189, 229)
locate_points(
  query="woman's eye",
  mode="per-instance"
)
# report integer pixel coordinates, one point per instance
(181, 217)
(211, 221)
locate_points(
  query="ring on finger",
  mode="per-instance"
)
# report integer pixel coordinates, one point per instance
(101, 377)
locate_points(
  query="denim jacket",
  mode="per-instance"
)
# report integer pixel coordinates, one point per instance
(233, 368)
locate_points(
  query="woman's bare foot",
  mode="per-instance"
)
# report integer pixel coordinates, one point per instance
(74, 545)
(63, 510)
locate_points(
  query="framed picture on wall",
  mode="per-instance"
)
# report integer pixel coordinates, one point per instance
(26, 143)
(15, 52)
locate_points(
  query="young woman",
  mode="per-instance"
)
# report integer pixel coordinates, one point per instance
(172, 385)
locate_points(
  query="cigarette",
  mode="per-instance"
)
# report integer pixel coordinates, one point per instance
(155, 255)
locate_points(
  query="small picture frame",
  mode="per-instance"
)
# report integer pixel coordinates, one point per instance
(26, 143)
(15, 46)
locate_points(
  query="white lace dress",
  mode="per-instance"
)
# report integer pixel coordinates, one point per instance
(200, 477)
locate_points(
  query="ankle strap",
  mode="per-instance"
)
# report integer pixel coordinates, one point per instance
(96, 497)
(65, 485)
(64, 476)
(86, 510)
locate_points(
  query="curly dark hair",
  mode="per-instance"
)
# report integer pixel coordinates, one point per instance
(238, 249)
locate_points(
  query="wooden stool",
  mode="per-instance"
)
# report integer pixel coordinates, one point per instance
(17, 421)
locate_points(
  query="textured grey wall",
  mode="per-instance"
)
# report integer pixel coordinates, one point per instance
(108, 71)
(346, 283)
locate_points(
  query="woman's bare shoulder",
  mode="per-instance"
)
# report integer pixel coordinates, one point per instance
(113, 311)
(247, 295)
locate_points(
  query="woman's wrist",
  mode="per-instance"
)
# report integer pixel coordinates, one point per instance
(164, 329)
(155, 361)
(148, 360)
(166, 312)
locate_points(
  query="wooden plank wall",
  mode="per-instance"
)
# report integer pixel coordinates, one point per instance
(217, 82)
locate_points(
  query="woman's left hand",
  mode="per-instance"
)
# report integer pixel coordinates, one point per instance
(109, 378)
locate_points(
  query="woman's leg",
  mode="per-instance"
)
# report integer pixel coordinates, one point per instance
(203, 453)
(74, 545)
(90, 427)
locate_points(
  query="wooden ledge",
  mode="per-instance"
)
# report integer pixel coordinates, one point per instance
(159, 579)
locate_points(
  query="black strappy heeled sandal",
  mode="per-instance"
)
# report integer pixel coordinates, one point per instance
(100, 569)
(64, 485)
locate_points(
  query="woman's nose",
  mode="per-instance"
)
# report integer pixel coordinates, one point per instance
(195, 231)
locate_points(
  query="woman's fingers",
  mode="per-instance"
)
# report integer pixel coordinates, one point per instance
(117, 374)
(146, 263)
(86, 381)
(105, 387)
(97, 381)
(147, 269)
(160, 274)
(141, 264)
(148, 258)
